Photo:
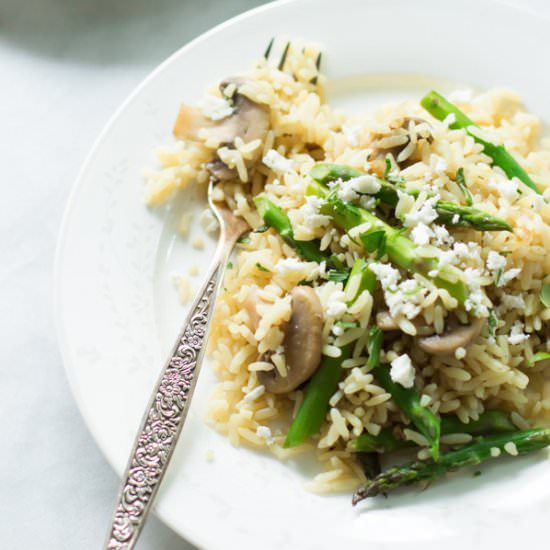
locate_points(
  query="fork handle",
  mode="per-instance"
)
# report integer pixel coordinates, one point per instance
(166, 413)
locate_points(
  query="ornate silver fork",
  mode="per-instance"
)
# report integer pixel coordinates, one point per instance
(169, 403)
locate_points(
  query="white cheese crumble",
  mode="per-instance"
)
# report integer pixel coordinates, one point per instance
(276, 162)
(352, 134)
(336, 304)
(517, 336)
(460, 353)
(402, 371)
(505, 188)
(288, 266)
(367, 202)
(310, 211)
(215, 108)
(495, 261)
(351, 189)
(507, 276)
(421, 234)
(476, 299)
(425, 213)
(264, 433)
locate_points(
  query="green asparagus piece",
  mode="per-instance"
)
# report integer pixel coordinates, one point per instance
(456, 215)
(448, 213)
(324, 382)
(471, 454)
(440, 108)
(276, 217)
(408, 400)
(401, 250)
(489, 422)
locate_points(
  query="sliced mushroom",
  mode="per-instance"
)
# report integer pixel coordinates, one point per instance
(248, 121)
(302, 343)
(456, 336)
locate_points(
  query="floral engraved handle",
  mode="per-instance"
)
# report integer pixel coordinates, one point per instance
(163, 419)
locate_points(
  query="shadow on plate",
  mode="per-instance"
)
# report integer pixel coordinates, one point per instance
(108, 33)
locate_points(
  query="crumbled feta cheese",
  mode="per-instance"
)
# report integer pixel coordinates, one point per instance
(402, 371)
(425, 214)
(442, 236)
(510, 301)
(386, 274)
(265, 433)
(287, 267)
(508, 275)
(367, 202)
(352, 134)
(505, 188)
(421, 234)
(310, 211)
(276, 162)
(476, 301)
(495, 261)
(215, 108)
(517, 335)
(350, 190)
(456, 218)
(336, 304)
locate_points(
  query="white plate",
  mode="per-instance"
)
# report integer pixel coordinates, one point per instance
(117, 312)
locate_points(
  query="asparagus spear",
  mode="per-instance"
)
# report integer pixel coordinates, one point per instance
(408, 400)
(440, 108)
(474, 453)
(324, 382)
(401, 250)
(276, 217)
(448, 213)
(489, 422)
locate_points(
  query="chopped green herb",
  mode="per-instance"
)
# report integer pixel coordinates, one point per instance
(477, 473)
(262, 267)
(545, 295)
(539, 356)
(261, 228)
(318, 67)
(498, 278)
(338, 276)
(305, 282)
(461, 181)
(346, 324)
(375, 241)
(229, 265)
(493, 323)
(388, 168)
(374, 346)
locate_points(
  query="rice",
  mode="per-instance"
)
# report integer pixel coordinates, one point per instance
(506, 271)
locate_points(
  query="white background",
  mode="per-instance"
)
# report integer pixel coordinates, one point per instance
(65, 65)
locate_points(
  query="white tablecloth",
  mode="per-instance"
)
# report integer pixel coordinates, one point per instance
(65, 65)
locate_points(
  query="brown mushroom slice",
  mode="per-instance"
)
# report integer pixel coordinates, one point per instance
(189, 122)
(221, 171)
(302, 343)
(455, 337)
